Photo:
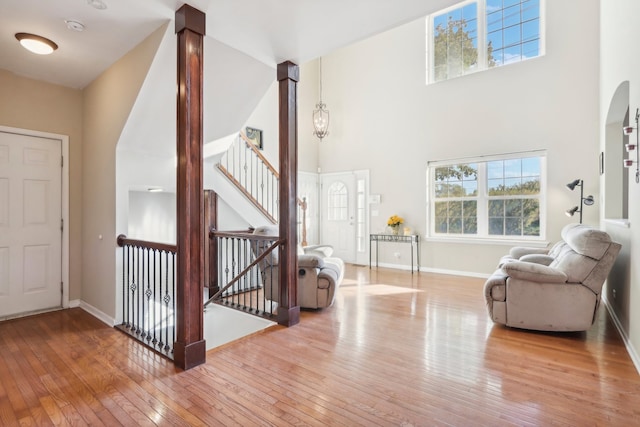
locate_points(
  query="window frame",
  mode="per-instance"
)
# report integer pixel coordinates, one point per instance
(483, 199)
(338, 211)
(482, 28)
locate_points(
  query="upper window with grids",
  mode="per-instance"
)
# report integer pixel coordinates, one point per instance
(481, 34)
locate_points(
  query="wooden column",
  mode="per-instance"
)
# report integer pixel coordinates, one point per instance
(189, 348)
(288, 77)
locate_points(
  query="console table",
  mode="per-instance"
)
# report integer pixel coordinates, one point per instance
(413, 239)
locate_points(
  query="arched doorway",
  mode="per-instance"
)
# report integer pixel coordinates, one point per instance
(616, 177)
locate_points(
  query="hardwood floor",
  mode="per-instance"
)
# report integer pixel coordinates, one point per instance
(395, 349)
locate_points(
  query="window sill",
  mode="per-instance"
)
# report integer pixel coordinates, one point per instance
(486, 241)
(623, 223)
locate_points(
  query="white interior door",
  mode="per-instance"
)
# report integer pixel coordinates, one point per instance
(338, 211)
(30, 223)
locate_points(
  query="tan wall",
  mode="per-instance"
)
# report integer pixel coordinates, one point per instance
(35, 105)
(107, 103)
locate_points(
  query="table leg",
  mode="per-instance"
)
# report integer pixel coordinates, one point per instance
(411, 257)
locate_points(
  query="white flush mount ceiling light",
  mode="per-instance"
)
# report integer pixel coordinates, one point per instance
(36, 44)
(97, 4)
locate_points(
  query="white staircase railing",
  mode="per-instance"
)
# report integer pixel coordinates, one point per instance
(253, 175)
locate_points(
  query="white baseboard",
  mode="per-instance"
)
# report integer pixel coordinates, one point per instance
(455, 272)
(437, 270)
(74, 303)
(625, 338)
(94, 312)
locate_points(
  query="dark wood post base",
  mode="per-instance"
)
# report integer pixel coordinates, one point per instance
(187, 356)
(288, 316)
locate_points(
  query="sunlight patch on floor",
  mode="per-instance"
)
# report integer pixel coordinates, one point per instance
(349, 282)
(223, 325)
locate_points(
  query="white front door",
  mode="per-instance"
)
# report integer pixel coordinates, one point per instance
(338, 211)
(30, 223)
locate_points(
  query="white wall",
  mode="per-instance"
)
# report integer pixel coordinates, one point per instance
(385, 119)
(152, 216)
(265, 117)
(620, 64)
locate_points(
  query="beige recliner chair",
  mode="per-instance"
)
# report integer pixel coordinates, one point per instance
(319, 274)
(555, 290)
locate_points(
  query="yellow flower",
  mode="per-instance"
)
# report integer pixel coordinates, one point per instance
(394, 221)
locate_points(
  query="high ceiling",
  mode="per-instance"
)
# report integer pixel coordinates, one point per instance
(270, 31)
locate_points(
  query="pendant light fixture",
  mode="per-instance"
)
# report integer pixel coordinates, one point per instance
(320, 114)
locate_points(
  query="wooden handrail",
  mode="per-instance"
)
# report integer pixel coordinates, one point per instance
(240, 181)
(261, 156)
(123, 240)
(263, 255)
(247, 235)
(248, 195)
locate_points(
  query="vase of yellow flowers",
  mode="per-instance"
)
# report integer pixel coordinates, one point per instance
(394, 223)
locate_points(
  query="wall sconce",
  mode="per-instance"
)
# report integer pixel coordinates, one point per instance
(628, 163)
(588, 201)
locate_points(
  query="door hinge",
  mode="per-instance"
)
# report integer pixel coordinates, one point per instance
(62, 224)
(61, 161)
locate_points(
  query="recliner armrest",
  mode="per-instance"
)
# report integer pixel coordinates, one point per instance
(541, 259)
(320, 250)
(310, 261)
(533, 272)
(520, 251)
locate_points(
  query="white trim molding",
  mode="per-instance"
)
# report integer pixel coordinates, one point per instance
(435, 270)
(64, 139)
(97, 313)
(625, 338)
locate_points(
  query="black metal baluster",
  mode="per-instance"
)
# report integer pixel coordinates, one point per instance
(173, 295)
(160, 306)
(131, 290)
(153, 300)
(247, 282)
(137, 309)
(241, 261)
(125, 300)
(226, 264)
(164, 306)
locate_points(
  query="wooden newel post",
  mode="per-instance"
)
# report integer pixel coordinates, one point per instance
(210, 242)
(288, 309)
(190, 348)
